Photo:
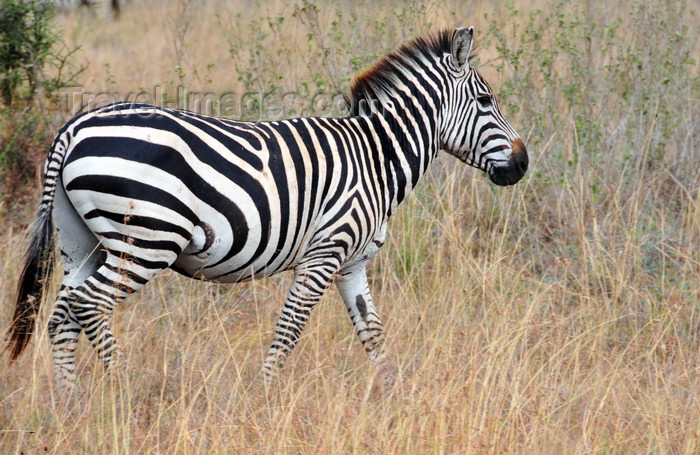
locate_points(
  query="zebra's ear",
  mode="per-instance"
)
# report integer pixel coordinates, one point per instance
(462, 45)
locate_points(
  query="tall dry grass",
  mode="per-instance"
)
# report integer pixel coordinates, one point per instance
(558, 316)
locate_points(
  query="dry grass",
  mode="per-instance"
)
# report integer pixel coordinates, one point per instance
(558, 316)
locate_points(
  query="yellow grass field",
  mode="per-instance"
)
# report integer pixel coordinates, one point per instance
(558, 316)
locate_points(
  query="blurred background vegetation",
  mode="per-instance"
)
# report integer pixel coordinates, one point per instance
(558, 316)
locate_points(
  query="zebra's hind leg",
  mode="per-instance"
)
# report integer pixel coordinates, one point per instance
(64, 331)
(81, 259)
(354, 288)
(88, 306)
(93, 301)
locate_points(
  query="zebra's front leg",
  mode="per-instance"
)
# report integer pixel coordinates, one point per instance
(354, 288)
(307, 288)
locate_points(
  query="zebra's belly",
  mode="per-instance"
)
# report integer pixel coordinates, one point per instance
(232, 272)
(266, 248)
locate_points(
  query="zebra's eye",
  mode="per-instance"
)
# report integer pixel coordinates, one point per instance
(484, 100)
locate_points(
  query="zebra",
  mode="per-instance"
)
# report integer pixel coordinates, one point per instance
(136, 189)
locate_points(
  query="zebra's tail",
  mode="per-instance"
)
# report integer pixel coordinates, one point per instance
(35, 276)
(39, 259)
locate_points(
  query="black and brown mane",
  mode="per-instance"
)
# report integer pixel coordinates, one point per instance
(380, 79)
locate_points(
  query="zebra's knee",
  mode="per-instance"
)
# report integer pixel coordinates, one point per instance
(86, 314)
(54, 324)
(59, 317)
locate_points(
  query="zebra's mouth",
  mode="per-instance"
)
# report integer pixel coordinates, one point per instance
(514, 169)
(505, 175)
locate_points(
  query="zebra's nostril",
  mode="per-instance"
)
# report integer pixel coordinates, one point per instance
(522, 164)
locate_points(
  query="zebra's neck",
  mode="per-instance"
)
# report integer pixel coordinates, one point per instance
(408, 135)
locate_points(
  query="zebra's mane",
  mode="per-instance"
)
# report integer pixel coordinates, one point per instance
(380, 80)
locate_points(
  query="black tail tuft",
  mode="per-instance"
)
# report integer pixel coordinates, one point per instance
(35, 276)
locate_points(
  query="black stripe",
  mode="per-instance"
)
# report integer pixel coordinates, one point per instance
(131, 189)
(145, 244)
(147, 222)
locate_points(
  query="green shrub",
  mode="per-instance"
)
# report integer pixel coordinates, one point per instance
(32, 69)
(25, 47)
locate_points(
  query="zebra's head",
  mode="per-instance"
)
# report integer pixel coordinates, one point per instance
(473, 128)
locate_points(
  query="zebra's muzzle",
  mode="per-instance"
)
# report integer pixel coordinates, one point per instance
(511, 172)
